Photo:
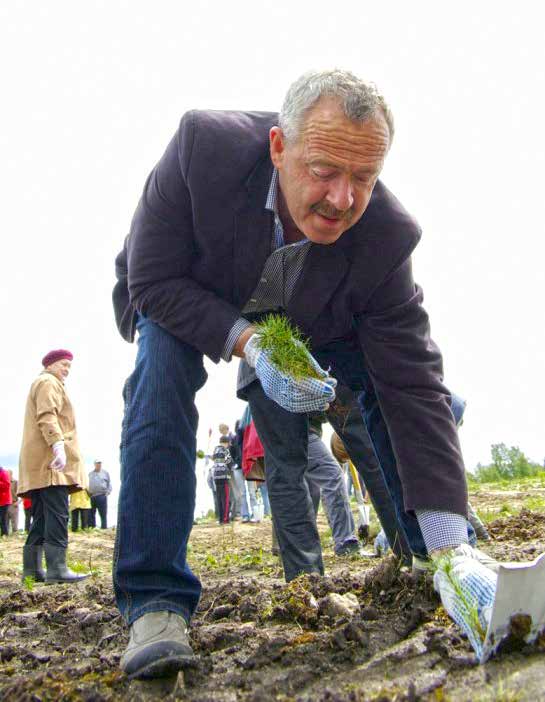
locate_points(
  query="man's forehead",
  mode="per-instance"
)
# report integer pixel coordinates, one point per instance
(327, 132)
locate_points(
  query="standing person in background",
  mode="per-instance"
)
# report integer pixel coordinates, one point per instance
(80, 509)
(5, 500)
(239, 484)
(13, 509)
(221, 470)
(236, 477)
(99, 489)
(50, 467)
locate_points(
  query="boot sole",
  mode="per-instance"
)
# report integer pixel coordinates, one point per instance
(163, 668)
(55, 581)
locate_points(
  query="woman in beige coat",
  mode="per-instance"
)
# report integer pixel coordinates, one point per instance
(50, 467)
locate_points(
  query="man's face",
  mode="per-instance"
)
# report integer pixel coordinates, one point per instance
(98, 466)
(327, 176)
(60, 369)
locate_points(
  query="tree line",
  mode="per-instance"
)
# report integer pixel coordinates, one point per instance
(508, 463)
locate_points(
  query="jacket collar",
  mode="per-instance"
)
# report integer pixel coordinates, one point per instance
(251, 218)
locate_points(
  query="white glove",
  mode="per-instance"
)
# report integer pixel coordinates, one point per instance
(467, 589)
(304, 395)
(59, 456)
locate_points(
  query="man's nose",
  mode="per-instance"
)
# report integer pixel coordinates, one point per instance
(340, 193)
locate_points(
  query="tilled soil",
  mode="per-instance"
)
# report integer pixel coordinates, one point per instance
(258, 639)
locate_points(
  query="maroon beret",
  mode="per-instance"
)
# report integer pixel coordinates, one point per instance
(56, 355)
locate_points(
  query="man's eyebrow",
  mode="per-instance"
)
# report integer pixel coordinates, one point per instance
(322, 163)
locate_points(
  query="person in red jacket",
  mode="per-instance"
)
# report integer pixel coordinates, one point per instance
(5, 500)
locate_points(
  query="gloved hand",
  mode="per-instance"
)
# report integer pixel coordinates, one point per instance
(304, 395)
(467, 589)
(59, 456)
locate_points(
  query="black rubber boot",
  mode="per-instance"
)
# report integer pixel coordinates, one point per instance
(32, 563)
(57, 570)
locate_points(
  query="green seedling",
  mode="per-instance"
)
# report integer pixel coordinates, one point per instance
(287, 348)
(471, 612)
(29, 582)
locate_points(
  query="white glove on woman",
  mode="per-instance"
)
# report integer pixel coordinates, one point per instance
(467, 589)
(304, 395)
(59, 456)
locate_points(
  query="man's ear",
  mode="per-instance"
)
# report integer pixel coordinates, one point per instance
(276, 146)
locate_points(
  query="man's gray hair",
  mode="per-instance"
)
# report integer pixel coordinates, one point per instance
(359, 100)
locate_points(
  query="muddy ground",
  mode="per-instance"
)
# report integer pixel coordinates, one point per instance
(258, 639)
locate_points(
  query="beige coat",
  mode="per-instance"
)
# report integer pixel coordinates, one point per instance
(49, 417)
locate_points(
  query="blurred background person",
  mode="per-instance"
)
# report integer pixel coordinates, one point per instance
(100, 487)
(5, 500)
(221, 471)
(80, 509)
(13, 509)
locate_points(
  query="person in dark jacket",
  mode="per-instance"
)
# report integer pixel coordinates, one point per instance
(248, 213)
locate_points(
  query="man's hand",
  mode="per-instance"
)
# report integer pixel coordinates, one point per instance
(59, 456)
(467, 589)
(301, 396)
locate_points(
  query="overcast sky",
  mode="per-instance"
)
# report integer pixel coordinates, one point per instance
(92, 92)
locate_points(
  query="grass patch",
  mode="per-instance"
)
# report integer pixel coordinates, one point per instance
(286, 347)
(537, 504)
(488, 515)
(252, 559)
(79, 567)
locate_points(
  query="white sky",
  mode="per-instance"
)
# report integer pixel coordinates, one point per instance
(92, 92)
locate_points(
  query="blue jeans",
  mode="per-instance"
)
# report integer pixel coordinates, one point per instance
(158, 482)
(240, 487)
(262, 487)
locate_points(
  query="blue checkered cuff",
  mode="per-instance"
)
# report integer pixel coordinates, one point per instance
(442, 529)
(236, 330)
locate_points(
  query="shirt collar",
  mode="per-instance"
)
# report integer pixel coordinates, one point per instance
(271, 203)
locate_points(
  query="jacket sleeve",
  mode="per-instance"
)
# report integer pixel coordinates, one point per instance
(161, 249)
(406, 370)
(49, 402)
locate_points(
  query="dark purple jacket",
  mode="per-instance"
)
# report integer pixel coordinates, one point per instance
(198, 242)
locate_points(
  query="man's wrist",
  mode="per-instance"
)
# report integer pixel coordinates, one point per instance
(240, 343)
